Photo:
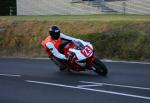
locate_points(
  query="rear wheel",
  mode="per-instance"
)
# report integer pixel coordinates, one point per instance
(99, 67)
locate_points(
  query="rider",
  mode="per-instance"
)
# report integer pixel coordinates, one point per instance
(52, 45)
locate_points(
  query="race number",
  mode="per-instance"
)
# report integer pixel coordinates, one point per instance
(86, 51)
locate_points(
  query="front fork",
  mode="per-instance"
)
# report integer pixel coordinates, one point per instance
(90, 62)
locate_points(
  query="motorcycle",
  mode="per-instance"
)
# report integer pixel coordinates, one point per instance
(81, 57)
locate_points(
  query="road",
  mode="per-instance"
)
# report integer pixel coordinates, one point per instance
(40, 81)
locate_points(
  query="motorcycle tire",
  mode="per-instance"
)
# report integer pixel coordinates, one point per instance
(100, 67)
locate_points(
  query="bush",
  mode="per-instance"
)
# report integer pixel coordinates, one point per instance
(126, 44)
(117, 40)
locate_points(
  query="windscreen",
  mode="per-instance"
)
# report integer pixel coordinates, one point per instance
(79, 45)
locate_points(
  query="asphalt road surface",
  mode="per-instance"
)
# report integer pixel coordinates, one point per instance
(40, 81)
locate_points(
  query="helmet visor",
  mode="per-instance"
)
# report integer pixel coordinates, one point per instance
(54, 35)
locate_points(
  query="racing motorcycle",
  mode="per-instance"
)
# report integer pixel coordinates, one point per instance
(81, 57)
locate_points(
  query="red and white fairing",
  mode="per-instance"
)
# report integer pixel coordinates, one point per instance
(81, 57)
(85, 52)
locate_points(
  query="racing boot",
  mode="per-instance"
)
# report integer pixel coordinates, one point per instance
(60, 63)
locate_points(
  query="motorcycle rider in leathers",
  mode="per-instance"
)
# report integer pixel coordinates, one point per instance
(53, 46)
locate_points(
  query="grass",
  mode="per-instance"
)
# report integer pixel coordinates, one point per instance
(102, 18)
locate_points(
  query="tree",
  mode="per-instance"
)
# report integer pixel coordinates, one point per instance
(6, 6)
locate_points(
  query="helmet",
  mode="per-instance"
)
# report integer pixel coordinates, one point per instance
(54, 32)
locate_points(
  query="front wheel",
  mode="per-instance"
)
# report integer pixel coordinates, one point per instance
(99, 67)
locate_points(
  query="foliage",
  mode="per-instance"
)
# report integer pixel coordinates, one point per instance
(125, 39)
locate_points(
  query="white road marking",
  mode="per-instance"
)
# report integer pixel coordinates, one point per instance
(130, 62)
(10, 75)
(115, 85)
(89, 89)
(92, 85)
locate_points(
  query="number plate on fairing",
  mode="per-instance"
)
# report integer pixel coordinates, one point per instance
(87, 51)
